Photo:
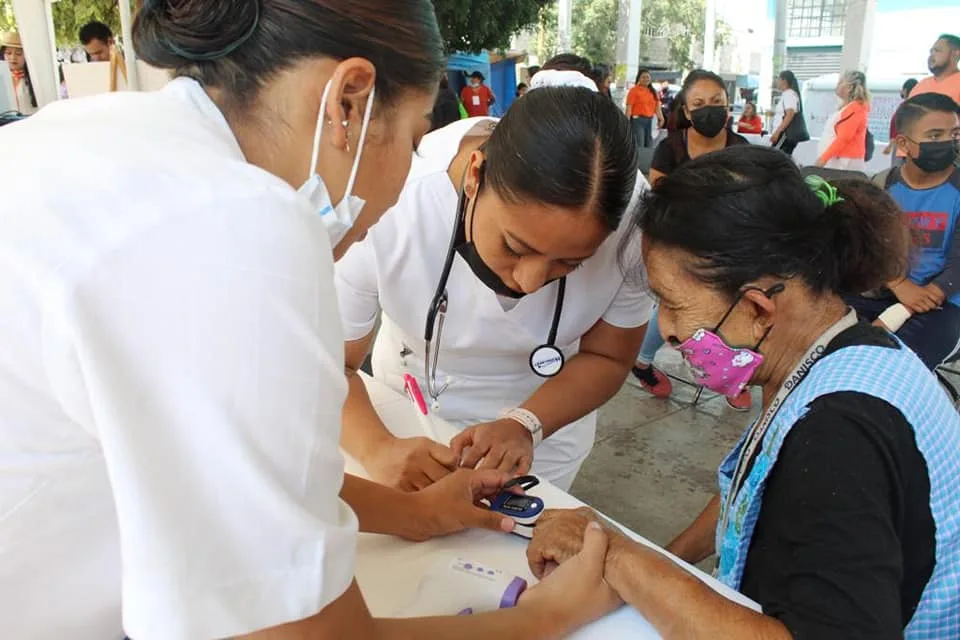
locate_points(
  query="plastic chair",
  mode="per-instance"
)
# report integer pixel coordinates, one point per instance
(833, 174)
(950, 365)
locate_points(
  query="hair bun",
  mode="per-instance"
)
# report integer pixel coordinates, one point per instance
(174, 33)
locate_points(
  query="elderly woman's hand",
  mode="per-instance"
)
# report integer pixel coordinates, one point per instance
(577, 592)
(558, 537)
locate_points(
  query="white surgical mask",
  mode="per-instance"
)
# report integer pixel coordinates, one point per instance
(340, 218)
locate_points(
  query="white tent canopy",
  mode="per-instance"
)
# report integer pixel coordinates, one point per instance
(35, 23)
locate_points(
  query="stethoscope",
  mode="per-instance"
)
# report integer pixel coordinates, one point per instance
(546, 360)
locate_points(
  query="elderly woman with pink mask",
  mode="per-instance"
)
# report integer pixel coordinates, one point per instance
(837, 511)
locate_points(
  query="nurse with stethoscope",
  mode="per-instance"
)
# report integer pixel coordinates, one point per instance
(503, 289)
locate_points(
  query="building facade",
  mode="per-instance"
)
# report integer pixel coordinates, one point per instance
(902, 33)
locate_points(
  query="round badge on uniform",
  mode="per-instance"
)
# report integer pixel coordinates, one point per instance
(546, 361)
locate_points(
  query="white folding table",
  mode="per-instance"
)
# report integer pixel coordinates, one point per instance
(390, 571)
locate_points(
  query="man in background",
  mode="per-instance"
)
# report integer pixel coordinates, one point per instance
(927, 188)
(477, 97)
(904, 94)
(943, 61)
(97, 41)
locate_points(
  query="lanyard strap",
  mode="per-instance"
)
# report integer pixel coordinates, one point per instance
(792, 381)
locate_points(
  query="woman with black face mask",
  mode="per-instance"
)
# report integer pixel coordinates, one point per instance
(498, 268)
(703, 116)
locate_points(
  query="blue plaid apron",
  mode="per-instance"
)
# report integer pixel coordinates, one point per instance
(879, 372)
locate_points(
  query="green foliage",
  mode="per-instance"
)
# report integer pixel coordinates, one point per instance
(683, 22)
(6, 16)
(593, 30)
(547, 32)
(70, 15)
(475, 25)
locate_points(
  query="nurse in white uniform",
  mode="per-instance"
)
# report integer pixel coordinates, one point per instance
(171, 370)
(504, 252)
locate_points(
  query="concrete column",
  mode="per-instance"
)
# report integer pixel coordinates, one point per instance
(130, 57)
(710, 37)
(628, 41)
(35, 24)
(564, 22)
(780, 37)
(858, 35)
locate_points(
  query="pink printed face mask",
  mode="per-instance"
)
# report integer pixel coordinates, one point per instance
(718, 366)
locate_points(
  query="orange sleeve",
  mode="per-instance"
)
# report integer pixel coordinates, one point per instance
(846, 130)
(631, 100)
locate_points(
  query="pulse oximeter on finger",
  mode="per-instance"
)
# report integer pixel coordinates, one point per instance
(523, 509)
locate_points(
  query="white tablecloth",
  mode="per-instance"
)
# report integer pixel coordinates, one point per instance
(389, 570)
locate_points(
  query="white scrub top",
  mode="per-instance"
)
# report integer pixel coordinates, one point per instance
(485, 349)
(170, 380)
(788, 100)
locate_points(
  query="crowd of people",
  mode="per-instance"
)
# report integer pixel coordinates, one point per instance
(98, 44)
(182, 342)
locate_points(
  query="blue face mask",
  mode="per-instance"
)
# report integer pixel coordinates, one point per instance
(339, 218)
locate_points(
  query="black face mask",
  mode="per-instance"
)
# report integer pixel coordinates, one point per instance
(709, 121)
(936, 156)
(468, 251)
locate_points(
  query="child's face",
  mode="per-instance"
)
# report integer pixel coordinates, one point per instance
(936, 126)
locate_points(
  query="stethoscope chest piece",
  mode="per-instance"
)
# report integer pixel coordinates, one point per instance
(546, 361)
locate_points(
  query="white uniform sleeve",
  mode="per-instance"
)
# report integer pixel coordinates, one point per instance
(633, 305)
(358, 291)
(211, 365)
(790, 101)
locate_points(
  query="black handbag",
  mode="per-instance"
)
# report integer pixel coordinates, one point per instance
(796, 132)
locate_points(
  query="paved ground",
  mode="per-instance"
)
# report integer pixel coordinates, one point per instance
(654, 464)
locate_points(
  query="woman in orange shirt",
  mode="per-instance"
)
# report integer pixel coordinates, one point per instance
(643, 105)
(843, 144)
(750, 122)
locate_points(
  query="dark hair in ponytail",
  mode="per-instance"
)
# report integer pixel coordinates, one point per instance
(29, 83)
(788, 76)
(564, 146)
(745, 213)
(237, 45)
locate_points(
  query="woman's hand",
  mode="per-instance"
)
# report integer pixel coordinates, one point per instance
(575, 593)
(409, 464)
(936, 292)
(558, 537)
(452, 505)
(775, 137)
(505, 445)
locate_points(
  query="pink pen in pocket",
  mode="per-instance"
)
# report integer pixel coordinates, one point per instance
(412, 388)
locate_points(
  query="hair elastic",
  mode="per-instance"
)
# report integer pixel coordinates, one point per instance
(827, 193)
(222, 52)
